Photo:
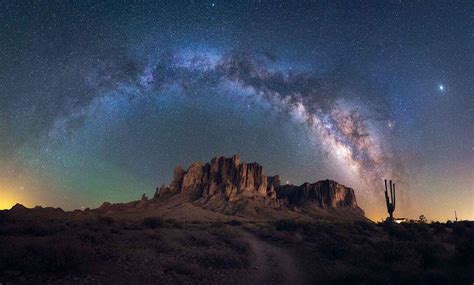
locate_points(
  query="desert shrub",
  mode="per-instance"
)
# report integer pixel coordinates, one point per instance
(221, 259)
(106, 220)
(152, 222)
(157, 222)
(87, 236)
(238, 245)
(363, 226)
(316, 228)
(132, 225)
(438, 228)
(333, 248)
(39, 229)
(234, 223)
(230, 237)
(419, 231)
(217, 224)
(397, 231)
(286, 225)
(173, 223)
(94, 238)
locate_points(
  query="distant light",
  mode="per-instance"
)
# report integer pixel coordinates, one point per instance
(441, 87)
(213, 4)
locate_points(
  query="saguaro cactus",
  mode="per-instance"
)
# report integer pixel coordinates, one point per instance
(390, 200)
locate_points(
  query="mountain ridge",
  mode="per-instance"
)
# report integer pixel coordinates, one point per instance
(227, 187)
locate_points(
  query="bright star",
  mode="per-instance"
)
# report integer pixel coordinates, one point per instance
(441, 87)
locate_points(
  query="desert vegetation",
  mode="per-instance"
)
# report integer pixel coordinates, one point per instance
(385, 253)
(104, 249)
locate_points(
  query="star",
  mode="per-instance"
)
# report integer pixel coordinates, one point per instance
(441, 87)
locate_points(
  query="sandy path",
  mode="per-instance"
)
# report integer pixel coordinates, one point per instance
(271, 264)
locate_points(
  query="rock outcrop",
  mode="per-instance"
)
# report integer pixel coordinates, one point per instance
(225, 177)
(225, 183)
(323, 194)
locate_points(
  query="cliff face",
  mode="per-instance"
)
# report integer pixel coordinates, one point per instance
(324, 193)
(224, 181)
(226, 177)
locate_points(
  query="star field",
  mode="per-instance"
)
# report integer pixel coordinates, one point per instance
(100, 100)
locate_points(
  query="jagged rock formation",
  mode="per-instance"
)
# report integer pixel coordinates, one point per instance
(225, 177)
(228, 185)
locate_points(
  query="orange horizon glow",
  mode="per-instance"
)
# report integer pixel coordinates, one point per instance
(7, 200)
(11, 194)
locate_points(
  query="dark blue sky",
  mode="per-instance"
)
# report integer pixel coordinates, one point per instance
(99, 100)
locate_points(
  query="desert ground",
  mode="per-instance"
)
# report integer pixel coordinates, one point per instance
(151, 250)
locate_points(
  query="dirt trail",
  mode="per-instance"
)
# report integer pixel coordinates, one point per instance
(271, 264)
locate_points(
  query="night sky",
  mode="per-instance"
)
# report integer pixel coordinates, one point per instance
(99, 101)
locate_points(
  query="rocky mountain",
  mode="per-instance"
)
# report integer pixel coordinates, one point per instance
(232, 187)
(228, 187)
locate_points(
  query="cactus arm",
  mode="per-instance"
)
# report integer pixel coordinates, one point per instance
(394, 196)
(391, 191)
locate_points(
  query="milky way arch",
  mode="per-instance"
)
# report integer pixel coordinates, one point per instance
(346, 127)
